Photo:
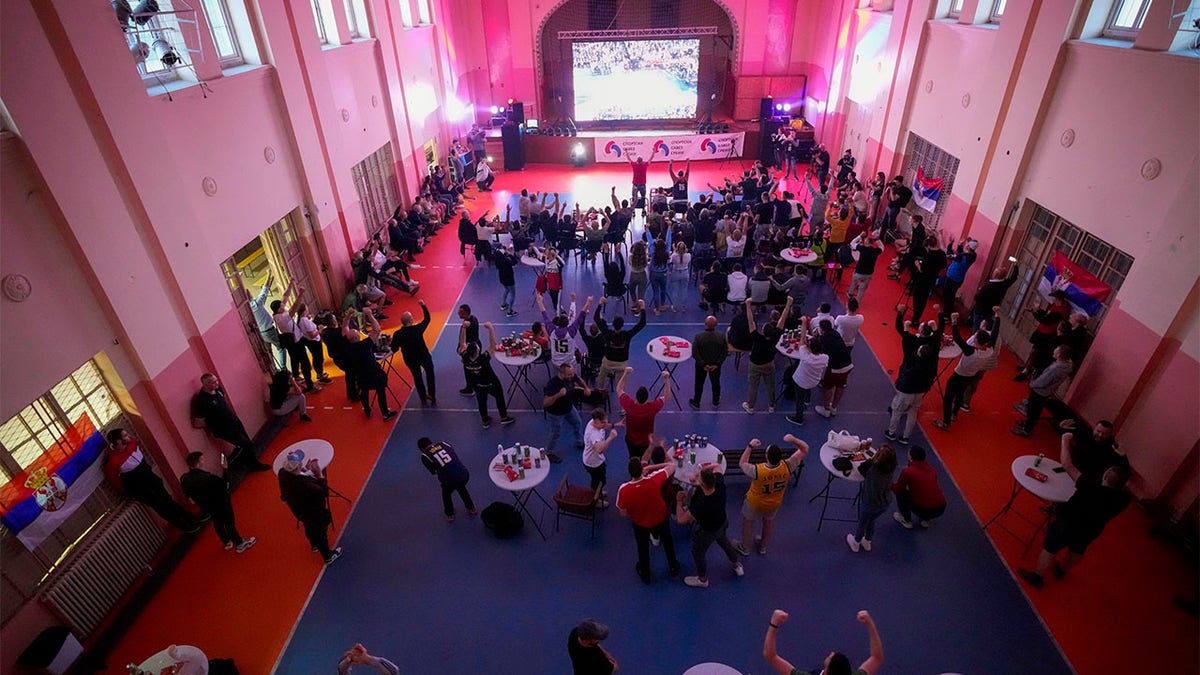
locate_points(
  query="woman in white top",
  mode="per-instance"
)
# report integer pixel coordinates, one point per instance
(289, 339)
(679, 266)
(848, 324)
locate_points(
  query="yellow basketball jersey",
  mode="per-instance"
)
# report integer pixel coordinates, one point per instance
(766, 490)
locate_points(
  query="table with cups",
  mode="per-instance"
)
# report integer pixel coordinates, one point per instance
(520, 469)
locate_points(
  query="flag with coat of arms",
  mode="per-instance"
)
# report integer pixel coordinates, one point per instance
(926, 190)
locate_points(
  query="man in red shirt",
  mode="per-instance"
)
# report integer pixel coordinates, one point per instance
(641, 501)
(640, 412)
(917, 491)
(640, 168)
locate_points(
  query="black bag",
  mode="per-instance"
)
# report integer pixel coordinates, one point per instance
(222, 667)
(843, 464)
(502, 519)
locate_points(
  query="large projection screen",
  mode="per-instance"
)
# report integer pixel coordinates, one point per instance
(635, 79)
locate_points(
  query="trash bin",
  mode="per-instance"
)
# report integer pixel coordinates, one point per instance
(53, 651)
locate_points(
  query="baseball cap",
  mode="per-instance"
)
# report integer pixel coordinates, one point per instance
(294, 458)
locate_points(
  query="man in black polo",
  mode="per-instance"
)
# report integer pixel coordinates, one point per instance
(210, 410)
(410, 342)
(709, 351)
(897, 195)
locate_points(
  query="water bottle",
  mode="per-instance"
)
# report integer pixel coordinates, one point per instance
(1038, 461)
(500, 452)
(521, 472)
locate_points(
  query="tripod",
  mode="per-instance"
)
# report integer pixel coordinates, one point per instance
(730, 156)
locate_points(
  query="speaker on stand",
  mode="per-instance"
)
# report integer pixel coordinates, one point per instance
(514, 146)
(766, 108)
(766, 150)
(516, 112)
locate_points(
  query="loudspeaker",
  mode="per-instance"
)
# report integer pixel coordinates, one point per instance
(766, 108)
(514, 147)
(516, 112)
(766, 129)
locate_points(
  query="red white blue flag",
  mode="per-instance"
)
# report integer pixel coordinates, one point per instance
(1083, 289)
(39, 499)
(926, 190)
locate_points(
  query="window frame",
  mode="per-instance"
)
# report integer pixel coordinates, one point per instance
(997, 12)
(352, 19)
(406, 13)
(955, 9)
(161, 26)
(237, 58)
(1122, 32)
(424, 13)
(319, 19)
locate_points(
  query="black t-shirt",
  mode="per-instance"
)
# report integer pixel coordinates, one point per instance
(716, 285)
(1094, 457)
(214, 410)
(762, 344)
(472, 325)
(709, 510)
(504, 269)
(903, 197)
(479, 371)
(867, 255)
(587, 660)
(765, 212)
(932, 264)
(563, 405)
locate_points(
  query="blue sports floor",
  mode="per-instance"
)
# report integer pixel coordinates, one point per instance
(451, 598)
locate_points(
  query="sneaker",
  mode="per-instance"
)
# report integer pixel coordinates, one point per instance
(229, 546)
(334, 555)
(695, 582)
(747, 408)
(890, 435)
(899, 518)
(694, 403)
(965, 408)
(941, 425)
(510, 313)
(506, 420)
(313, 389)
(741, 548)
(389, 415)
(852, 543)
(654, 540)
(467, 391)
(246, 544)
(738, 569)
(795, 419)
(903, 440)
(487, 422)
(1033, 578)
(1020, 408)
(1020, 431)
(770, 409)
(324, 378)
(823, 411)
(305, 418)
(762, 550)
(503, 308)
(927, 524)
(602, 504)
(450, 518)
(866, 544)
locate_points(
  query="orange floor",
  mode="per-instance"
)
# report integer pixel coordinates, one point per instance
(1114, 613)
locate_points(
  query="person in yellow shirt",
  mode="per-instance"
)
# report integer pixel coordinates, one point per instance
(768, 482)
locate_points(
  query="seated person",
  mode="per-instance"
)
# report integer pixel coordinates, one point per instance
(738, 284)
(760, 286)
(286, 396)
(714, 288)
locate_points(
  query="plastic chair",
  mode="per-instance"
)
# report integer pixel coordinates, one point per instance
(576, 501)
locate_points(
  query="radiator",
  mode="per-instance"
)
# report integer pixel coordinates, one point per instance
(93, 579)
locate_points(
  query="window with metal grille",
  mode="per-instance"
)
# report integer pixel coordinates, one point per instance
(1047, 234)
(151, 36)
(935, 163)
(378, 192)
(220, 24)
(38, 432)
(1126, 19)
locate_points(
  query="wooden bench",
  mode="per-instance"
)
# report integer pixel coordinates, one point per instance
(757, 456)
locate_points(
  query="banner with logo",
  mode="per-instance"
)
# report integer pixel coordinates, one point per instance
(39, 499)
(927, 191)
(677, 148)
(1083, 289)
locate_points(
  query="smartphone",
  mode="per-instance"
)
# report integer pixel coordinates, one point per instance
(1060, 469)
(1012, 259)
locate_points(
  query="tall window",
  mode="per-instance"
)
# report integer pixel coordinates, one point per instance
(220, 23)
(378, 191)
(1126, 19)
(406, 15)
(423, 11)
(955, 8)
(936, 163)
(997, 12)
(321, 35)
(356, 18)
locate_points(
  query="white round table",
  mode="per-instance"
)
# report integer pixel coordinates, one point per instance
(947, 353)
(686, 470)
(530, 261)
(712, 668)
(1056, 489)
(789, 348)
(681, 351)
(828, 454)
(177, 660)
(522, 488)
(794, 255)
(518, 371)
(313, 448)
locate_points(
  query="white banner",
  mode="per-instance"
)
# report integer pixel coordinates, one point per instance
(670, 147)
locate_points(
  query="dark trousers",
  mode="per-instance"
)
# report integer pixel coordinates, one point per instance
(905, 506)
(317, 354)
(1033, 410)
(949, 294)
(461, 489)
(421, 368)
(496, 391)
(317, 532)
(224, 526)
(702, 539)
(920, 297)
(244, 451)
(298, 355)
(956, 389)
(599, 474)
(714, 377)
(145, 486)
(642, 536)
(364, 395)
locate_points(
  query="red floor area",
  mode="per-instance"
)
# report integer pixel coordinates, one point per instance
(1113, 614)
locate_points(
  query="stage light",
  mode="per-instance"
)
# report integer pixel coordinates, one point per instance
(787, 107)
(577, 154)
(778, 107)
(489, 159)
(511, 101)
(495, 110)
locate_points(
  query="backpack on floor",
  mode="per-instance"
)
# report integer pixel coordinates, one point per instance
(502, 519)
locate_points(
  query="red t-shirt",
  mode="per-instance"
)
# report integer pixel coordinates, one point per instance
(639, 172)
(920, 479)
(642, 499)
(639, 419)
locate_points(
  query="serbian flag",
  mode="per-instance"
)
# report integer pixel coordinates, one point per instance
(39, 499)
(1083, 289)
(926, 190)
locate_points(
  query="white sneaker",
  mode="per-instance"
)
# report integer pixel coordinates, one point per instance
(899, 517)
(852, 543)
(747, 408)
(770, 409)
(866, 544)
(738, 569)
(696, 582)
(229, 546)
(926, 524)
(246, 543)
(654, 540)
(822, 411)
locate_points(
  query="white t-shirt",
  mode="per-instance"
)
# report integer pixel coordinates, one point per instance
(306, 327)
(815, 324)
(847, 326)
(735, 248)
(284, 323)
(811, 368)
(592, 436)
(737, 287)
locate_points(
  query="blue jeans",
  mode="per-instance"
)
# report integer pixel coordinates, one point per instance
(658, 288)
(571, 418)
(509, 297)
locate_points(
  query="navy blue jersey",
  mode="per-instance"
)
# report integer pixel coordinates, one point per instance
(441, 459)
